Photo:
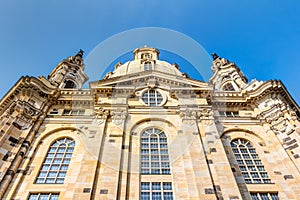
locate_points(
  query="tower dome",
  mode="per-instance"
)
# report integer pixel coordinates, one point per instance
(145, 59)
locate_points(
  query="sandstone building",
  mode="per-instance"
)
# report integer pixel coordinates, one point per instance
(148, 131)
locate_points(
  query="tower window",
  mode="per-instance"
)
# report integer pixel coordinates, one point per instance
(56, 163)
(152, 98)
(70, 84)
(146, 56)
(250, 165)
(154, 152)
(148, 66)
(228, 87)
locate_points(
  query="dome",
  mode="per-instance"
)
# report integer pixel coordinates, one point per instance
(145, 59)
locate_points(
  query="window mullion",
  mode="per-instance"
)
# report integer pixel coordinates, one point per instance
(159, 153)
(155, 94)
(149, 154)
(148, 93)
(150, 190)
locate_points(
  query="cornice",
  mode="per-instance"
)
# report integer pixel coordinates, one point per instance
(28, 83)
(141, 77)
(250, 97)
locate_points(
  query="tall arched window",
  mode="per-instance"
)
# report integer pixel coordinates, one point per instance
(154, 152)
(56, 163)
(250, 165)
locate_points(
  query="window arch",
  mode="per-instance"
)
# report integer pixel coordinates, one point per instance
(70, 84)
(56, 163)
(249, 163)
(228, 87)
(154, 152)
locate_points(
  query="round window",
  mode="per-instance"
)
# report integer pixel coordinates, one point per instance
(152, 98)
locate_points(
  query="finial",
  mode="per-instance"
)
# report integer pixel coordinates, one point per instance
(80, 53)
(215, 56)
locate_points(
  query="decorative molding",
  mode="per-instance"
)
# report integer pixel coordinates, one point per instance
(58, 75)
(101, 115)
(275, 117)
(188, 116)
(207, 116)
(26, 114)
(118, 116)
(152, 83)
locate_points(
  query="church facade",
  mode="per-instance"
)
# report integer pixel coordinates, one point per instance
(148, 131)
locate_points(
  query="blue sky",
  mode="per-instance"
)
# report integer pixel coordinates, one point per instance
(261, 36)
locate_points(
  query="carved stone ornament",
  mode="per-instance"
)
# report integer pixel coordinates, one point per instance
(27, 114)
(188, 116)
(108, 75)
(101, 115)
(58, 76)
(77, 59)
(173, 95)
(282, 125)
(207, 116)
(276, 119)
(118, 116)
(9, 111)
(22, 122)
(152, 83)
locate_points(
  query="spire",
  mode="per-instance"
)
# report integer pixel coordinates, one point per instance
(80, 53)
(76, 60)
(227, 76)
(215, 56)
(69, 73)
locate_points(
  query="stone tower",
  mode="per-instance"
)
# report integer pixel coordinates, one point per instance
(227, 76)
(69, 73)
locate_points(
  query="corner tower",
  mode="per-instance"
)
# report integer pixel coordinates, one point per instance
(227, 76)
(69, 73)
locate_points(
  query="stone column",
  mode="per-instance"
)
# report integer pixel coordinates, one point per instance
(21, 123)
(223, 179)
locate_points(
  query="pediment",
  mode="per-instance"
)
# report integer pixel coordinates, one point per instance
(147, 78)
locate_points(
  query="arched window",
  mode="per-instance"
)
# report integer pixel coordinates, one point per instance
(250, 165)
(70, 84)
(228, 87)
(56, 163)
(154, 152)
